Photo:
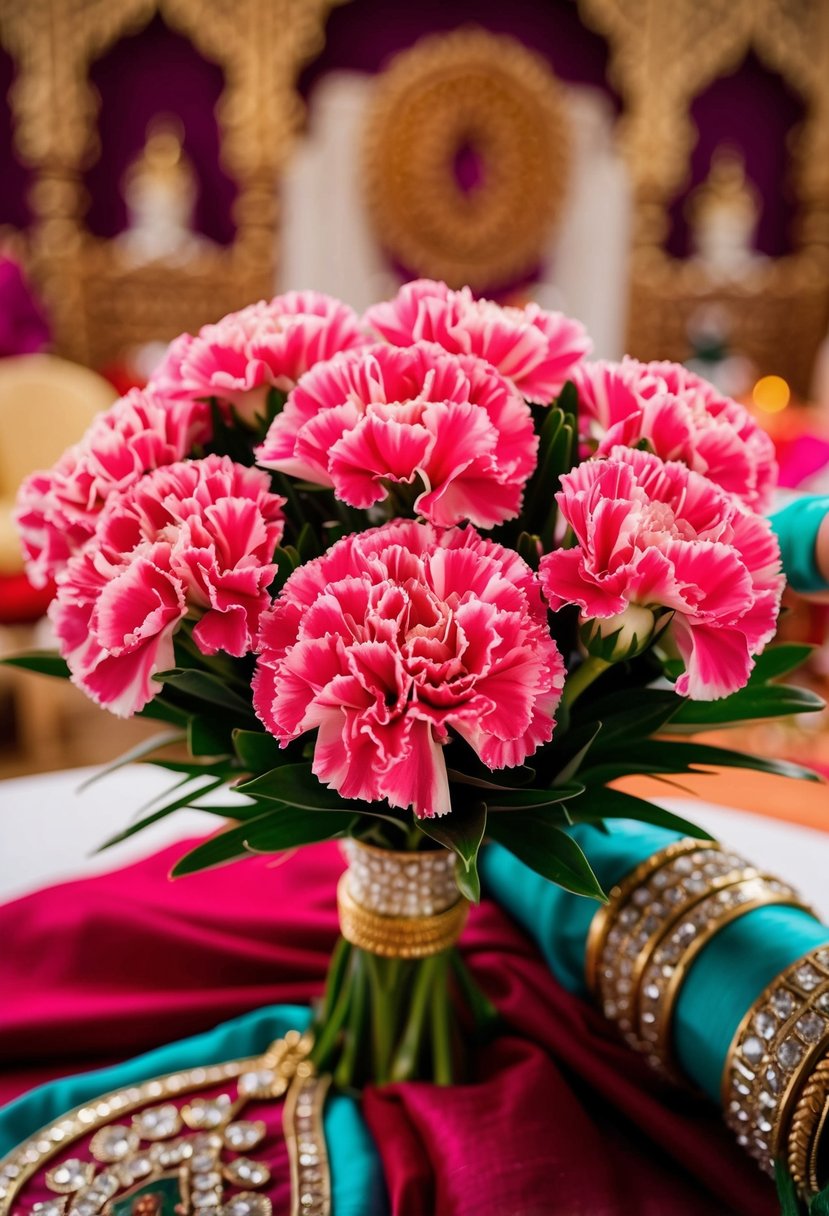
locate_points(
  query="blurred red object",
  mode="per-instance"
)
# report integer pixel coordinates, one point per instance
(20, 602)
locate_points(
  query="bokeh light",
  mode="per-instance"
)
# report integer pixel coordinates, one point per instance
(771, 394)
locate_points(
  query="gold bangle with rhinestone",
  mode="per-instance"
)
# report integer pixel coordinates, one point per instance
(667, 970)
(773, 1054)
(605, 917)
(807, 1129)
(647, 913)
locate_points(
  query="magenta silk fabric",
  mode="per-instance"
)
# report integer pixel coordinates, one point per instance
(560, 1119)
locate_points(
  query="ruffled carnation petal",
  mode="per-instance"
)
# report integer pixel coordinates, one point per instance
(392, 639)
(194, 539)
(385, 415)
(655, 535)
(681, 417)
(536, 350)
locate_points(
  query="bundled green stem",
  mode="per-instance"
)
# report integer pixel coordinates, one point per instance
(389, 1019)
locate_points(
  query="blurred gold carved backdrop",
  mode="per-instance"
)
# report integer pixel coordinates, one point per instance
(662, 59)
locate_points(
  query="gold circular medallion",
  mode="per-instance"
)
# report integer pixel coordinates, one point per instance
(474, 95)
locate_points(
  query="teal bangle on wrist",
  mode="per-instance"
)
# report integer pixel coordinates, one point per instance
(796, 526)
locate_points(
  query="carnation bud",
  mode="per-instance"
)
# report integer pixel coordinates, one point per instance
(623, 636)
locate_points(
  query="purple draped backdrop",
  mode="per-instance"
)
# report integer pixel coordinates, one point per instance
(756, 111)
(14, 203)
(158, 71)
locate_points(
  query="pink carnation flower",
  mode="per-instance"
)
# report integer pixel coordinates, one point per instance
(266, 345)
(194, 539)
(536, 350)
(658, 536)
(57, 509)
(384, 415)
(391, 638)
(683, 418)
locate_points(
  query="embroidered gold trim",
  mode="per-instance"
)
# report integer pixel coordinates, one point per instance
(398, 936)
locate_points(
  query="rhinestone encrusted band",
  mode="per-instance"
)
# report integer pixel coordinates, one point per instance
(775, 1050)
(400, 905)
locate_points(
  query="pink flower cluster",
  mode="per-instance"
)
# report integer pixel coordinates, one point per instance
(658, 536)
(266, 345)
(57, 510)
(195, 539)
(537, 350)
(385, 415)
(682, 417)
(394, 636)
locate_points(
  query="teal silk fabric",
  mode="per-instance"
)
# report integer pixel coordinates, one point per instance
(723, 980)
(357, 1182)
(796, 526)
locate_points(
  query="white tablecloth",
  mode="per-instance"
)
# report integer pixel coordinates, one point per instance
(49, 832)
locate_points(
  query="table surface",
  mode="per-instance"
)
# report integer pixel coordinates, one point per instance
(50, 829)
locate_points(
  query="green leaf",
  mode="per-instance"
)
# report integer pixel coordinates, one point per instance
(462, 832)
(175, 804)
(751, 702)
(603, 803)
(776, 661)
(205, 687)
(296, 785)
(160, 710)
(207, 736)
(572, 750)
(286, 828)
(671, 756)
(145, 748)
(545, 848)
(786, 1191)
(629, 713)
(45, 662)
(307, 544)
(514, 778)
(528, 549)
(511, 800)
(258, 751)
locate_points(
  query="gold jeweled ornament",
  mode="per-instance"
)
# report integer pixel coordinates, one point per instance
(486, 93)
(148, 1169)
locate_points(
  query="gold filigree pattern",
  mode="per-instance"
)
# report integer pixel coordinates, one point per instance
(141, 1159)
(449, 92)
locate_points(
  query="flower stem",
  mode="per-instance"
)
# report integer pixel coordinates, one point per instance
(336, 1005)
(344, 1072)
(441, 1023)
(404, 1064)
(382, 992)
(582, 678)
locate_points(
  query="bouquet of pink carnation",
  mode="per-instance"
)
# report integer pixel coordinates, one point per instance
(414, 581)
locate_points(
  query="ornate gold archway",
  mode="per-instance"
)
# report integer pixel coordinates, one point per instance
(99, 305)
(663, 55)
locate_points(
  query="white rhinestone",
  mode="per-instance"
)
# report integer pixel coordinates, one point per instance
(203, 1113)
(157, 1122)
(70, 1175)
(783, 1002)
(753, 1049)
(244, 1135)
(244, 1172)
(810, 1027)
(765, 1023)
(807, 977)
(789, 1053)
(257, 1084)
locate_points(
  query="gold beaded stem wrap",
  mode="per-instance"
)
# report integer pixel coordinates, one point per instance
(397, 904)
(778, 1049)
(398, 936)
